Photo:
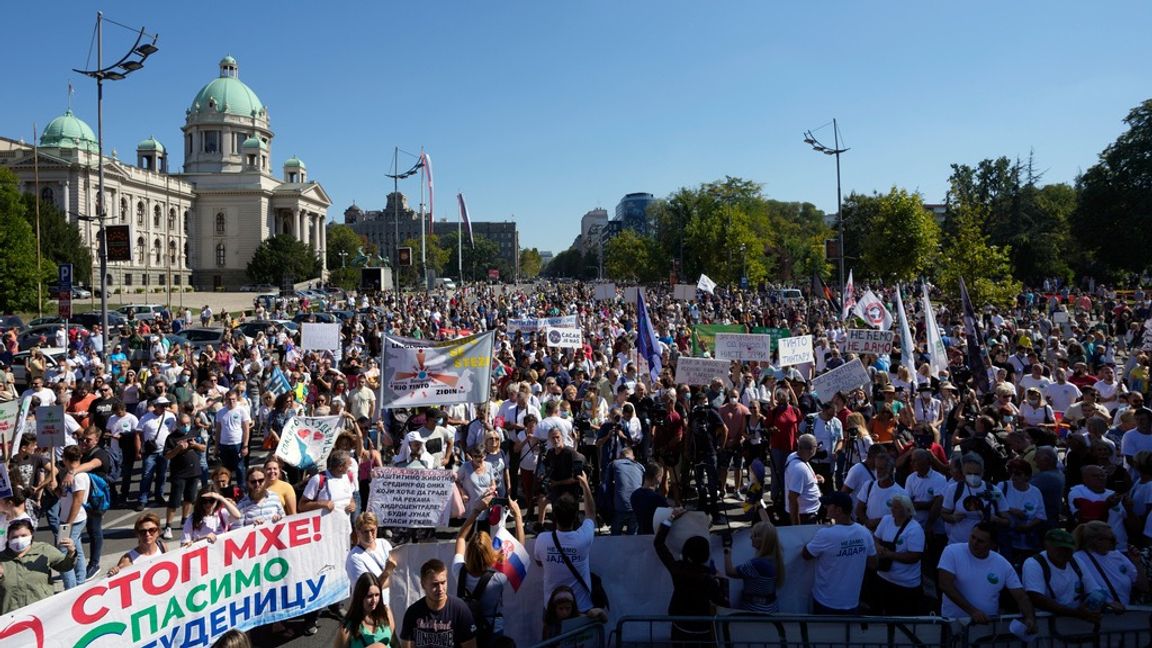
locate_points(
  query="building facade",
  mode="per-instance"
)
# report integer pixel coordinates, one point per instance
(199, 227)
(632, 212)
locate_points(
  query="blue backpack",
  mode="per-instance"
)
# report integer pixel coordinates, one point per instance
(99, 497)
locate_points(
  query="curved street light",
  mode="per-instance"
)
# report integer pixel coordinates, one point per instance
(835, 150)
(129, 63)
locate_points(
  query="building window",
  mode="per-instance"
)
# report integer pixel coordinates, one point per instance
(220, 256)
(156, 252)
(211, 141)
(185, 264)
(188, 145)
(175, 280)
(238, 141)
(123, 210)
(128, 279)
(47, 196)
(144, 278)
(140, 250)
(109, 279)
(160, 279)
(140, 213)
(187, 222)
(220, 223)
(171, 219)
(172, 252)
(156, 217)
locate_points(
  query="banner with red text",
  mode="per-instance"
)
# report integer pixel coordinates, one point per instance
(189, 597)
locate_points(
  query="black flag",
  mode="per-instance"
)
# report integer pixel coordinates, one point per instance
(976, 360)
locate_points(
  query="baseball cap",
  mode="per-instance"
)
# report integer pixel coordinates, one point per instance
(1060, 538)
(843, 501)
(161, 401)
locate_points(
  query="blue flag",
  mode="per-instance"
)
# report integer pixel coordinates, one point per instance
(277, 383)
(646, 344)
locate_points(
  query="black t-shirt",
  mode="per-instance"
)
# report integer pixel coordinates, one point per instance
(185, 465)
(451, 625)
(105, 461)
(645, 501)
(27, 471)
(102, 409)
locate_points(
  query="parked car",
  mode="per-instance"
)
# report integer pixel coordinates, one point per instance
(251, 328)
(786, 295)
(31, 336)
(79, 292)
(11, 321)
(201, 337)
(53, 356)
(319, 317)
(41, 321)
(141, 312)
(343, 315)
(92, 318)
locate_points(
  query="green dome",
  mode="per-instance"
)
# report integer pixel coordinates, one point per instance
(254, 143)
(150, 144)
(228, 95)
(294, 163)
(69, 131)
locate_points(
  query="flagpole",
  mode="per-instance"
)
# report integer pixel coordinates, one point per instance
(460, 248)
(423, 225)
(36, 172)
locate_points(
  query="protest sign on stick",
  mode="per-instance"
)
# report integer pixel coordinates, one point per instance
(410, 497)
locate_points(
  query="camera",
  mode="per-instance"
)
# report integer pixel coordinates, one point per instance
(726, 539)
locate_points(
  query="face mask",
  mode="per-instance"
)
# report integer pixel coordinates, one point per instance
(564, 415)
(973, 480)
(19, 544)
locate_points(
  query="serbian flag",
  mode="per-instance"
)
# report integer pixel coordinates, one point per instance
(464, 218)
(646, 344)
(849, 297)
(513, 561)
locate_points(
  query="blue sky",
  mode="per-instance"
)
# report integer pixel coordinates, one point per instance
(540, 111)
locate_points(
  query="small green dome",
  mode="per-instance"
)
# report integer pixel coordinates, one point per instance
(254, 143)
(294, 163)
(228, 95)
(150, 144)
(69, 131)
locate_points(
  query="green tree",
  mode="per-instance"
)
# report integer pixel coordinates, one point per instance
(985, 268)
(568, 264)
(1113, 221)
(632, 258)
(283, 257)
(529, 263)
(20, 281)
(903, 236)
(344, 246)
(60, 240)
(437, 259)
(478, 258)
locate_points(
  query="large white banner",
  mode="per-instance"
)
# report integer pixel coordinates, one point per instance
(700, 371)
(319, 337)
(868, 341)
(411, 497)
(423, 372)
(534, 324)
(795, 350)
(565, 338)
(606, 291)
(745, 347)
(842, 379)
(189, 597)
(306, 441)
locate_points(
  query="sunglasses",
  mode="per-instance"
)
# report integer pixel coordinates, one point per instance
(148, 531)
(256, 481)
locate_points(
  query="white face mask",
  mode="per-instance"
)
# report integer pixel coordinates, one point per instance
(19, 544)
(973, 480)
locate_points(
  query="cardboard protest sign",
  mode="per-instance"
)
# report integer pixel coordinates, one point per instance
(630, 293)
(795, 350)
(319, 336)
(606, 291)
(423, 372)
(684, 292)
(306, 441)
(410, 497)
(566, 338)
(868, 341)
(700, 371)
(842, 379)
(249, 577)
(8, 413)
(745, 347)
(50, 431)
(534, 324)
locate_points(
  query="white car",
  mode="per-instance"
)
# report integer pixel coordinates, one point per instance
(53, 357)
(141, 312)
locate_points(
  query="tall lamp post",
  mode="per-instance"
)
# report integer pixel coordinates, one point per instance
(835, 150)
(129, 63)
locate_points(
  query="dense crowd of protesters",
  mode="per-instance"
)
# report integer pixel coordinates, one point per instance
(1039, 472)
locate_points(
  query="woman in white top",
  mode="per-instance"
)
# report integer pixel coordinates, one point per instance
(1035, 412)
(148, 544)
(214, 514)
(1108, 569)
(897, 590)
(1023, 513)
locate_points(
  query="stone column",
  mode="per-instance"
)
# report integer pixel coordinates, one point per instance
(323, 247)
(298, 218)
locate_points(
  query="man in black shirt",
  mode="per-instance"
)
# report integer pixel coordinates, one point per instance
(647, 498)
(104, 405)
(95, 461)
(561, 467)
(182, 451)
(438, 620)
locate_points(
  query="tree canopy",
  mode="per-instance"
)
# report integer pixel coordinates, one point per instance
(283, 257)
(530, 263)
(898, 238)
(20, 281)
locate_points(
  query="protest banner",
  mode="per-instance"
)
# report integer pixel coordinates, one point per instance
(700, 371)
(745, 347)
(249, 577)
(50, 432)
(842, 379)
(306, 441)
(704, 336)
(630, 293)
(684, 292)
(796, 350)
(319, 336)
(606, 291)
(410, 497)
(8, 413)
(22, 418)
(565, 338)
(535, 324)
(868, 341)
(425, 372)
(776, 334)
(5, 482)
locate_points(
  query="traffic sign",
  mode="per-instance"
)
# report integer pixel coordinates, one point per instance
(65, 278)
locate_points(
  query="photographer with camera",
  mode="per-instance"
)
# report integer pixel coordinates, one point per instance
(668, 442)
(560, 470)
(969, 502)
(706, 431)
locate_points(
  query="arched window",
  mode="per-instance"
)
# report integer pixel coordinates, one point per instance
(171, 219)
(123, 210)
(187, 222)
(220, 223)
(172, 252)
(140, 213)
(220, 254)
(140, 250)
(185, 263)
(47, 196)
(157, 253)
(156, 217)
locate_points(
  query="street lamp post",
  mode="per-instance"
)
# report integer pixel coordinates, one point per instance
(835, 150)
(343, 259)
(129, 63)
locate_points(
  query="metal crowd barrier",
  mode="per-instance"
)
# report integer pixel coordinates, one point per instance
(1131, 629)
(585, 636)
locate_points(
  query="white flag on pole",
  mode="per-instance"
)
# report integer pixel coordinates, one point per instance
(706, 284)
(849, 297)
(937, 354)
(872, 310)
(907, 344)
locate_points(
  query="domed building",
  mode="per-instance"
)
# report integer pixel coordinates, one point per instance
(198, 226)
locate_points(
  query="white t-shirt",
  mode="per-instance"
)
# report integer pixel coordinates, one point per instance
(338, 490)
(362, 561)
(1109, 390)
(876, 498)
(156, 428)
(841, 553)
(989, 495)
(81, 486)
(1115, 568)
(1041, 383)
(1134, 441)
(978, 580)
(544, 429)
(1061, 397)
(858, 476)
(529, 450)
(801, 479)
(1064, 587)
(1082, 497)
(912, 539)
(925, 489)
(119, 426)
(231, 422)
(578, 545)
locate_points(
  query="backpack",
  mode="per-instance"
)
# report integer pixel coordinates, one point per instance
(1047, 569)
(484, 623)
(99, 497)
(701, 435)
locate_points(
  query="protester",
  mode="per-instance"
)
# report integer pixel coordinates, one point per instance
(1108, 569)
(26, 566)
(561, 607)
(841, 553)
(371, 554)
(212, 515)
(971, 577)
(259, 506)
(437, 620)
(896, 589)
(802, 483)
(478, 581)
(565, 553)
(368, 623)
(762, 575)
(695, 589)
(148, 543)
(1055, 582)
